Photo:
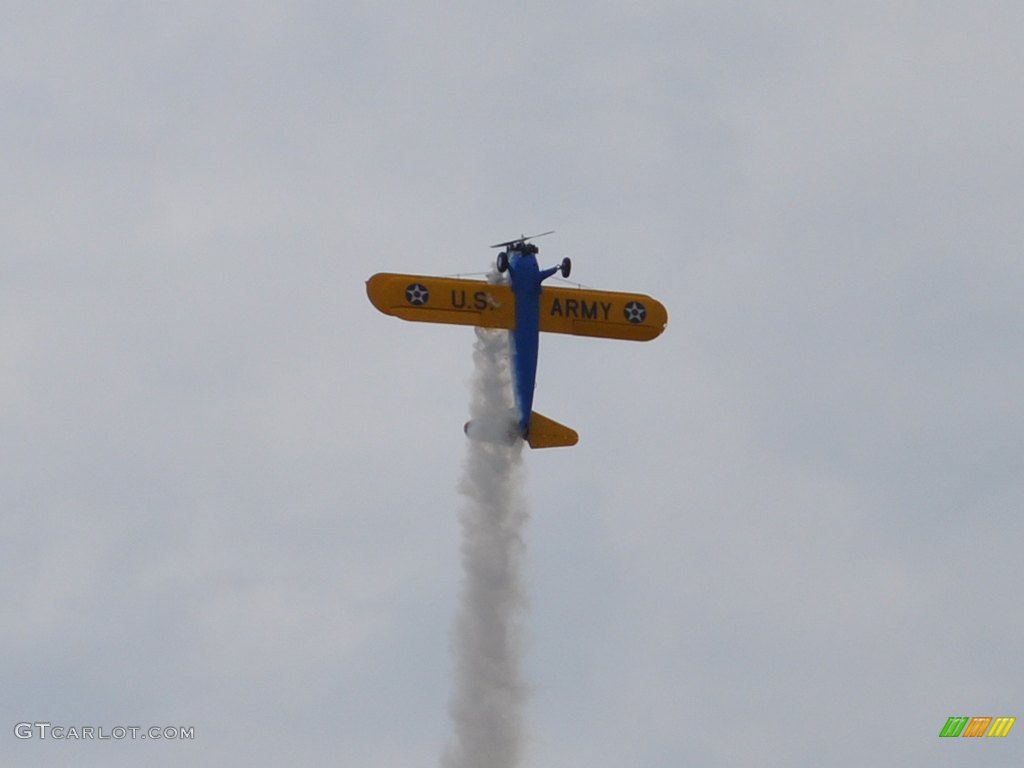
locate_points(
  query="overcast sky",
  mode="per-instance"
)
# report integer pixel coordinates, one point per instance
(791, 533)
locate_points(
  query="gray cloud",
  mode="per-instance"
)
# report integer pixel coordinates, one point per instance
(789, 532)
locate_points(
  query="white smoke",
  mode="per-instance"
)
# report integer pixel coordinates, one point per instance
(489, 694)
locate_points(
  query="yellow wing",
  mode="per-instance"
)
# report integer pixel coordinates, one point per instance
(443, 300)
(580, 311)
(608, 314)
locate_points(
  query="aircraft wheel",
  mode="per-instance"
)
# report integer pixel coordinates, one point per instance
(566, 267)
(502, 262)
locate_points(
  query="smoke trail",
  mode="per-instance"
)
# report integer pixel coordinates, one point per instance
(489, 695)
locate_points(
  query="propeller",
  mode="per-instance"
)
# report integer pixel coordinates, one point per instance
(522, 239)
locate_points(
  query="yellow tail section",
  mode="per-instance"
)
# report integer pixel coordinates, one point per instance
(545, 433)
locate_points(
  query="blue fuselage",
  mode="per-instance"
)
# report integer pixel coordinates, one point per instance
(526, 279)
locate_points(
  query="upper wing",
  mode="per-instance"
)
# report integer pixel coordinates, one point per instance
(443, 300)
(608, 314)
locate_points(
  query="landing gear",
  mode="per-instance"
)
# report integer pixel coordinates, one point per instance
(502, 263)
(566, 266)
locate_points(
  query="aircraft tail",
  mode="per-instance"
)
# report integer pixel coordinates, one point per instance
(546, 433)
(503, 430)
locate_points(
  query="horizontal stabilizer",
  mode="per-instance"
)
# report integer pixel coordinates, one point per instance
(502, 430)
(545, 433)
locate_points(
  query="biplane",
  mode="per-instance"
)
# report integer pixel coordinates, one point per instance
(522, 306)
